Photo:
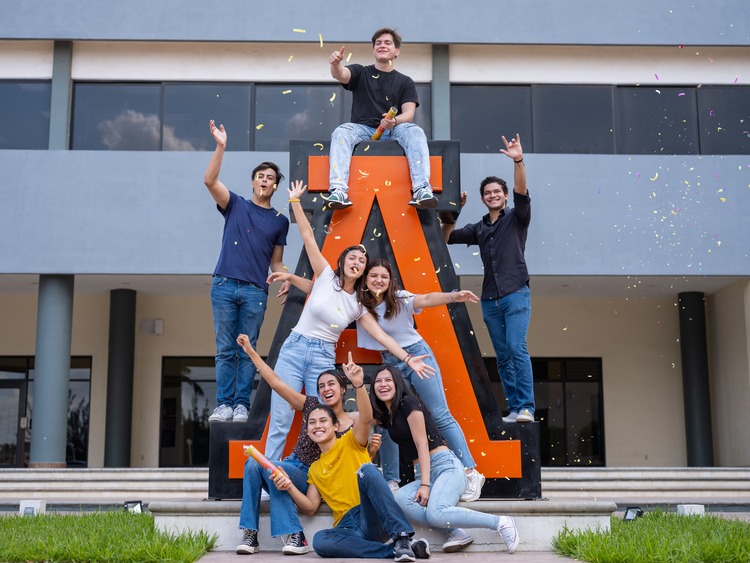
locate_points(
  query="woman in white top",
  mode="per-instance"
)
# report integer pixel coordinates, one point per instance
(332, 306)
(395, 310)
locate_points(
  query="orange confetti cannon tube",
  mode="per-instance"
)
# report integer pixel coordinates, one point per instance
(253, 452)
(379, 131)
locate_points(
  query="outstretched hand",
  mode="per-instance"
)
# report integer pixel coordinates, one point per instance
(337, 56)
(354, 372)
(463, 296)
(296, 189)
(513, 148)
(218, 133)
(423, 370)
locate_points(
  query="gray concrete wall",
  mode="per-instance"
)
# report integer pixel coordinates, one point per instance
(104, 212)
(583, 22)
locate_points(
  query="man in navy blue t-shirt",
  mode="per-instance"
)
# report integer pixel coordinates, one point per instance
(253, 241)
(375, 89)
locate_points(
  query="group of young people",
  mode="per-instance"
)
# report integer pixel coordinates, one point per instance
(406, 403)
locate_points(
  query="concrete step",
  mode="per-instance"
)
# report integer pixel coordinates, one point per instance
(537, 521)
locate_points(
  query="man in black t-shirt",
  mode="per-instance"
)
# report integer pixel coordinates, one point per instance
(375, 89)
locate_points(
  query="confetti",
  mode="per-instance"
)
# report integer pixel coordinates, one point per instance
(655, 177)
(333, 97)
(387, 182)
(289, 60)
(367, 148)
(364, 173)
(736, 78)
(286, 92)
(320, 37)
(657, 77)
(418, 258)
(259, 126)
(348, 57)
(318, 145)
(297, 30)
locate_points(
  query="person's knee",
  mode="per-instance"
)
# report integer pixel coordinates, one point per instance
(435, 518)
(322, 544)
(342, 130)
(369, 471)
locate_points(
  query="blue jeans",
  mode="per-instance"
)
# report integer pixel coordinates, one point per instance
(347, 135)
(301, 360)
(284, 519)
(447, 484)
(362, 530)
(507, 321)
(238, 308)
(432, 392)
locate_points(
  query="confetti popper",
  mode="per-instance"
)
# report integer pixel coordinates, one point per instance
(379, 131)
(262, 460)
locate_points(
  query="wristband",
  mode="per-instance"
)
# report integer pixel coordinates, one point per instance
(518, 161)
(407, 358)
(293, 200)
(453, 295)
(424, 485)
(360, 387)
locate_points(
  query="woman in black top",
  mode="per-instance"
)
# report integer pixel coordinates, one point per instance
(430, 500)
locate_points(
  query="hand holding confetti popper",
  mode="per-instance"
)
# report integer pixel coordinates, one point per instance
(263, 461)
(379, 131)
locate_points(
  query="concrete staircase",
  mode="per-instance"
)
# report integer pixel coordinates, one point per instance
(632, 485)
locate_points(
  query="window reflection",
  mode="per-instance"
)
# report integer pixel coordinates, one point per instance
(724, 118)
(189, 107)
(25, 108)
(117, 117)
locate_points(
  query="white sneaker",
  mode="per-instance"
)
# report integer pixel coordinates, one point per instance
(264, 496)
(239, 414)
(474, 484)
(222, 413)
(393, 486)
(508, 531)
(512, 417)
(457, 540)
(525, 416)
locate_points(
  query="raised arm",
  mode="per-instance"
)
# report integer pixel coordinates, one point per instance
(371, 325)
(361, 426)
(296, 400)
(338, 70)
(419, 435)
(434, 299)
(218, 191)
(513, 150)
(317, 260)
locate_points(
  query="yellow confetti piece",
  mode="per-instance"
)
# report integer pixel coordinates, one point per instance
(333, 97)
(483, 454)
(318, 145)
(259, 126)
(334, 326)
(723, 200)
(364, 173)
(437, 271)
(418, 258)
(387, 182)
(297, 30)
(287, 92)
(367, 148)
(320, 37)
(337, 237)
(289, 60)
(655, 177)
(349, 57)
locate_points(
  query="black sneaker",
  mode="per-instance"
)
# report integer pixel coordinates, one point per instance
(337, 200)
(249, 543)
(421, 548)
(402, 548)
(424, 199)
(296, 544)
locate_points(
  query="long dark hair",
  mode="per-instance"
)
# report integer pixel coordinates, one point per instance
(339, 271)
(402, 390)
(392, 304)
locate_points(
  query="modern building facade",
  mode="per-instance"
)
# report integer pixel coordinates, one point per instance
(635, 122)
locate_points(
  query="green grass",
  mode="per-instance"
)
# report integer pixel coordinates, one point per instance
(660, 537)
(114, 536)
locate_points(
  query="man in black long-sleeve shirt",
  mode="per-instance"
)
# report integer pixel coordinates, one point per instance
(506, 301)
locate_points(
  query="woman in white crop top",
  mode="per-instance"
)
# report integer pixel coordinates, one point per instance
(333, 305)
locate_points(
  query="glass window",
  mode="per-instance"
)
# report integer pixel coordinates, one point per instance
(25, 122)
(724, 119)
(13, 368)
(480, 115)
(652, 120)
(116, 117)
(189, 107)
(573, 119)
(296, 111)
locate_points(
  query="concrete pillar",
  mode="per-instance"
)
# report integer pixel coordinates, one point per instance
(61, 103)
(441, 93)
(54, 326)
(695, 384)
(120, 378)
